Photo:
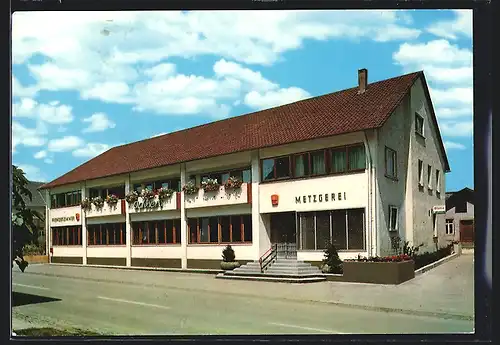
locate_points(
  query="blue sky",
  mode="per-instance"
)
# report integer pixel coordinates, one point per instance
(87, 81)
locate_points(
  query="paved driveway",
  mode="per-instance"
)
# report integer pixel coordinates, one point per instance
(140, 302)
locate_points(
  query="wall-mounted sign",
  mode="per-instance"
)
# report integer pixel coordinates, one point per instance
(63, 219)
(147, 204)
(275, 199)
(327, 197)
(77, 217)
(439, 209)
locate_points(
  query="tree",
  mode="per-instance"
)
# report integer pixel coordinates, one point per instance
(23, 218)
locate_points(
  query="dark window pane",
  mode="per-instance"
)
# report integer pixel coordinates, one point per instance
(161, 231)
(138, 187)
(175, 184)
(170, 230)
(224, 228)
(224, 178)
(322, 229)
(149, 186)
(247, 176)
(177, 224)
(214, 229)
(339, 230)
(135, 232)
(301, 165)
(307, 231)
(357, 158)
(355, 223)
(339, 162)
(247, 227)
(193, 224)
(152, 232)
(282, 167)
(268, 169)
(204, 230)
(236, 224)
(318, 164)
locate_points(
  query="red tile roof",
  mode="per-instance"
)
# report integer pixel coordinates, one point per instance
(331, 114)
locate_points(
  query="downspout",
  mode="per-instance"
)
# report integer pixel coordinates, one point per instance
(377, 238)
(370, 195)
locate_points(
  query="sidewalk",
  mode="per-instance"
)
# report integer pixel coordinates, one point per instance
(447, 289)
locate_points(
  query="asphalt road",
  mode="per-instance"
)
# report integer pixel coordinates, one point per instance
(115, 308)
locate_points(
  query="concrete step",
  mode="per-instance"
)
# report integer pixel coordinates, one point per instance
(289, 278)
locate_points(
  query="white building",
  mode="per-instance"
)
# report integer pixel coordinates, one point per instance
(355, 167)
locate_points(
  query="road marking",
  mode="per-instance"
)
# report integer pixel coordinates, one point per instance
(133, 302)
(31, 286)
(306, 328)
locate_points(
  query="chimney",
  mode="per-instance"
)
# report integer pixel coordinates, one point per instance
(362, 80)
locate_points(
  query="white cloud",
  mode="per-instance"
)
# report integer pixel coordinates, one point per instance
(52, 113)
(463, 96)
(32, 172)
(31, 137)
(457, 129)
(270, 99)
(110, 91)
(458, 75)
(98, 122)
(450, 145)
(452, 29)
(433, 52)
(395, 33)
(48, 161)
(453, 112)
(160, 71)
(19, 90)
(254, 80)
(40, 154)
(64, 144)
(90, 150)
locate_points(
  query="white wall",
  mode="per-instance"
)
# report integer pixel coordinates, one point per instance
(218, 198)
(351, 187)
(220, 163)
(165, 205)
(106, 220)
(106, 210)
(428, 151)
(106, 251)
(170, 251)
(138, 217)
(242, 251)
(65, 212)
(219, 211)
(68, 251)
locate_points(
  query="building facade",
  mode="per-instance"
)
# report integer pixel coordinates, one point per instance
(460, 216)
(365, 178)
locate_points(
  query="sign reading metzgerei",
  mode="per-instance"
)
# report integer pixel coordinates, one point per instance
(326, 197)
(63, 219)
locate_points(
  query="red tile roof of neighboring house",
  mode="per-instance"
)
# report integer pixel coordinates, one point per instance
(331, 114)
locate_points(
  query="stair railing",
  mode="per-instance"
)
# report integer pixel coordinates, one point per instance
(268, 257)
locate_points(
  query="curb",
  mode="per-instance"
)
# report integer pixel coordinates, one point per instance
(133, 268)
(435, 264)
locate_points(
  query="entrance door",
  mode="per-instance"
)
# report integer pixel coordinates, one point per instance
(467, 231)
(283, 233)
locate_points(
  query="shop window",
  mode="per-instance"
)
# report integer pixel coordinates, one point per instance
(247, 227)
(339, 238)
(214, 229)
(356, 233)
(225, 226)
(322, 229)
(307, 231)
(204, 230)
(236, 228)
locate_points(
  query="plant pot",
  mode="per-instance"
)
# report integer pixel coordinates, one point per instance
(379, 272)
(228, 266)
(457, 248)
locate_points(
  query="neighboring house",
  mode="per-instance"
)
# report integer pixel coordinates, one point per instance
(357, 168)
(460, 216)
(37, 203)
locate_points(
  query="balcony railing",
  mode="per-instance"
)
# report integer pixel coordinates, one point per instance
(106, 210)
(220, 197)
(143, 205)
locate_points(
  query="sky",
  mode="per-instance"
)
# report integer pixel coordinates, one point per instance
(83, 82)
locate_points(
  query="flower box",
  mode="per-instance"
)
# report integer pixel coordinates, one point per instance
(389, 272)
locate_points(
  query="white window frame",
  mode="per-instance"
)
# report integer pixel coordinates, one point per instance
(420, 172)
(391, 153)
(429, 178)
(449, 227)
(438, 181)
(418, 115)
(393, 227)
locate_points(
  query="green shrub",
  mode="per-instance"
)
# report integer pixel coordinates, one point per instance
(228, 254)
(427, 258)
(332, 262)
(33, 249)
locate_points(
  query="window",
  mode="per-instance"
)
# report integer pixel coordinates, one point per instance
(420, 173)
(390, 163)
(345, 229)
(393, 218)
(356, 158)
(438, 183)
(247, 176)
(67, 236)
(434, 225)
(106, 234)
(66, 199)
(301, 165)
(156, 232)
(233, 229)
(172, 183)
(419, 124)
(338, 161)
(429, 177)
(318, 164)
(449, 227)
(282, 167)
